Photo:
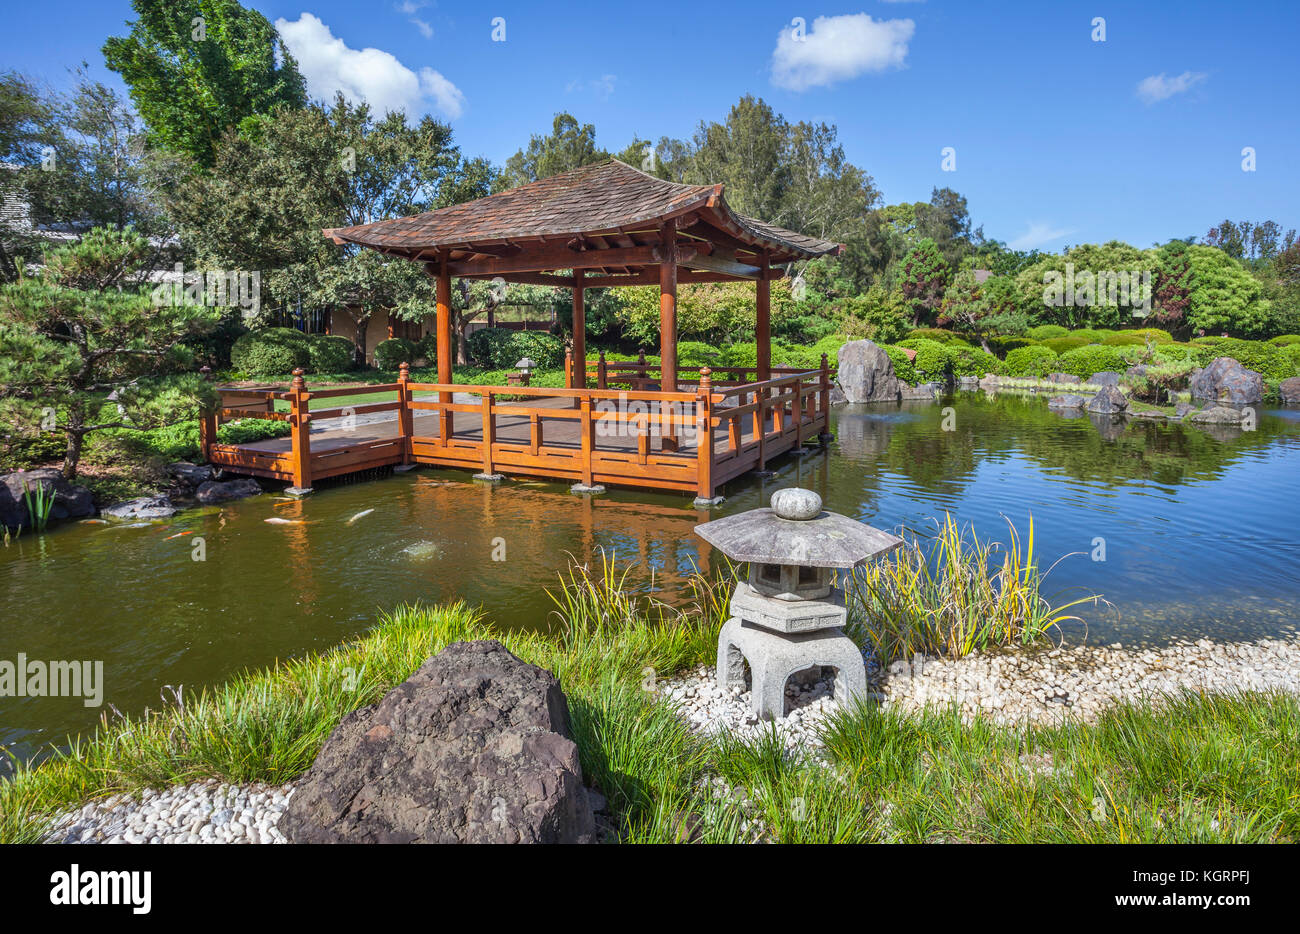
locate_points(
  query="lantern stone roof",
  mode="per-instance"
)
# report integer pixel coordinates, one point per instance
(824, 540)
(606, 205)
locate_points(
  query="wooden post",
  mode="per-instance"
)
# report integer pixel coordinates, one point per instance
(579, 332)
(588, 439)
(489, 434)
(446, 429)
(763, 323)
(825, 401)
(704, 437)
(209, 421)
(602, 374)
(300, 444)
(405, 416)
(668, 323)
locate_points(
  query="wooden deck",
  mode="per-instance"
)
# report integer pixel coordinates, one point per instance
(610, 435)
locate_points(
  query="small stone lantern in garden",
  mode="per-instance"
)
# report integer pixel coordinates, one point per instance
(524, 373)
(788, 616)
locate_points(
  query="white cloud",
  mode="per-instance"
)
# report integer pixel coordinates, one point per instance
(370, 75)
(409, 8)
(838, 48)
(1039, 235)
(1157, 87)
(602, 87)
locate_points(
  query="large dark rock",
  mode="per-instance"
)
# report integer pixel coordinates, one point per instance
(213, 491)
(866, 374)
(1289, 389)
(475, 747)
(70, 501)
(1109, 401)
(142, 507)
(1226, 380)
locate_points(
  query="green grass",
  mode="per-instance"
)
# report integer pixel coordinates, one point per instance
(1192, 768)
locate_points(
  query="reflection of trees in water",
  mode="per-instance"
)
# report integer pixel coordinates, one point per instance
(1089, 448)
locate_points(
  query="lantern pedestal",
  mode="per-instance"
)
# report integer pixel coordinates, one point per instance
(773, 657)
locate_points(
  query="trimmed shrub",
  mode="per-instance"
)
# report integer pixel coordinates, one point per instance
(1005, 345)
(1047, 331)
(270, 352)
(1269, 361)
(392, 353)
(1033, 362)
(696, 354)
(1061, 344)
(1084, 361)
(1155, 335)
(903, 368)
(330, 353)
(939, 335)
(1124, 339)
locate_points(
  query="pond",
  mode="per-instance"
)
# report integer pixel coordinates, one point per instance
(1198, 531)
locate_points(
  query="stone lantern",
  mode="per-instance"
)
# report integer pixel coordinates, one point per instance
(788, 615)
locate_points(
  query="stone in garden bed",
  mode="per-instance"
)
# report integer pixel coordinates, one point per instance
(475, 747)
(214, 491)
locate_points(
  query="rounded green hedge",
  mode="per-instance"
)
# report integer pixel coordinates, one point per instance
(270, 352)
(392, 353)
(330, 353)
(1033, 362)
(1061, 344)
(1095, 358)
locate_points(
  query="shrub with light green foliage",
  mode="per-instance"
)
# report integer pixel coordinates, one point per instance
(1269, 361)
(903, 368)
(1035, 361)
(392, 353)
(1095, 358)
(1061, 344)
(270, 352)
(1047, 331)
(330, 353)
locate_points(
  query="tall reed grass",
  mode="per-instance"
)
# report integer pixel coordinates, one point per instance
(950, 595)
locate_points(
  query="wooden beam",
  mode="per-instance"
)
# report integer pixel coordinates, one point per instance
(556, 257)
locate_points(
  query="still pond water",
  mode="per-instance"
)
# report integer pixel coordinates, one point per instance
(1199, 529)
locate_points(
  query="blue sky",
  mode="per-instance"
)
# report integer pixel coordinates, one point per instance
(1058, 138)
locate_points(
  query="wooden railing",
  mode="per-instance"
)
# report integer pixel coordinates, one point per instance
(587, 436)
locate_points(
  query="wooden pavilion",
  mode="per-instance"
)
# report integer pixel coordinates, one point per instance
(643, 424)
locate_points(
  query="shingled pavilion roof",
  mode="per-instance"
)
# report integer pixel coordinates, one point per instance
(605, 206)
